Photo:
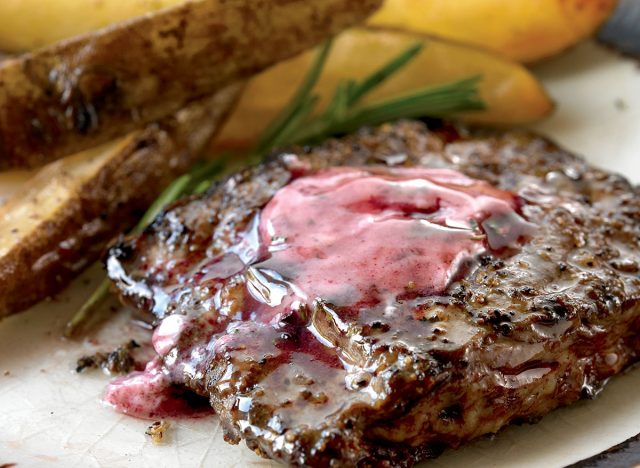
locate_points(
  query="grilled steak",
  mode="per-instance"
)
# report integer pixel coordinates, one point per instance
(490, 278)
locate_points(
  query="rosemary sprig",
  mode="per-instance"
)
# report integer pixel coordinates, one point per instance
(86, 316)
(438, 100)
(300, 122)
(381, 75)
(296, 110)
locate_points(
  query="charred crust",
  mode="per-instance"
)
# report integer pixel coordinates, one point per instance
(118, 361)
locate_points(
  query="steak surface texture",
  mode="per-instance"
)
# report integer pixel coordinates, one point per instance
(518, 333)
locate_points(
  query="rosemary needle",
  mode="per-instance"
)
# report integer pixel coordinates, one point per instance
(300, 122)
(438, 101)
(86, 316)
(296, 104)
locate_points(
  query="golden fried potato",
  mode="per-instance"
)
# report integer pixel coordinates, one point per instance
(30, 24)
(89, 90)
(512, 95)
(59, 221)
(523, 30)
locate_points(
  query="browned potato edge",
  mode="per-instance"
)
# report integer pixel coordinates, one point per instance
(43, 260)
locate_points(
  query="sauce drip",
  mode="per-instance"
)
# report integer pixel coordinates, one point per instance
(151, 394)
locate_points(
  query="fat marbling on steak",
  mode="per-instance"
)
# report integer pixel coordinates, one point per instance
(525, 303)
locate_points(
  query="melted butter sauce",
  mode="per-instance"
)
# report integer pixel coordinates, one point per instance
(350, 235)
(336, 262)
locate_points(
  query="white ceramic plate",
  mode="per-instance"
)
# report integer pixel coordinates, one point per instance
(49, 416)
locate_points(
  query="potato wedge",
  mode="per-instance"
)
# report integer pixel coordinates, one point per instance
(92, 89)
(512, 95)
(60, 221)
(31, 24)
(523, 30)
(11, 181)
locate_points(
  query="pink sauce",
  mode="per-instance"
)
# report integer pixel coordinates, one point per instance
(151, 394)
(358, 239)
(346, 235)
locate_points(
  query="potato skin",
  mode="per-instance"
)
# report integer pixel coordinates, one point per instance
(92, 89)
(30, 24)
(523, 30)
(60, 222)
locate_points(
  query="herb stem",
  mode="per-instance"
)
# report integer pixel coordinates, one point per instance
(301, 99)
(82, 319)
(171, 193)
(384, 73)
(435, 101)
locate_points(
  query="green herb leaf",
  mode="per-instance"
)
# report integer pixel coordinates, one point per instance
(86, 316)
(380, 76)
(296, 106)
(432, 102)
